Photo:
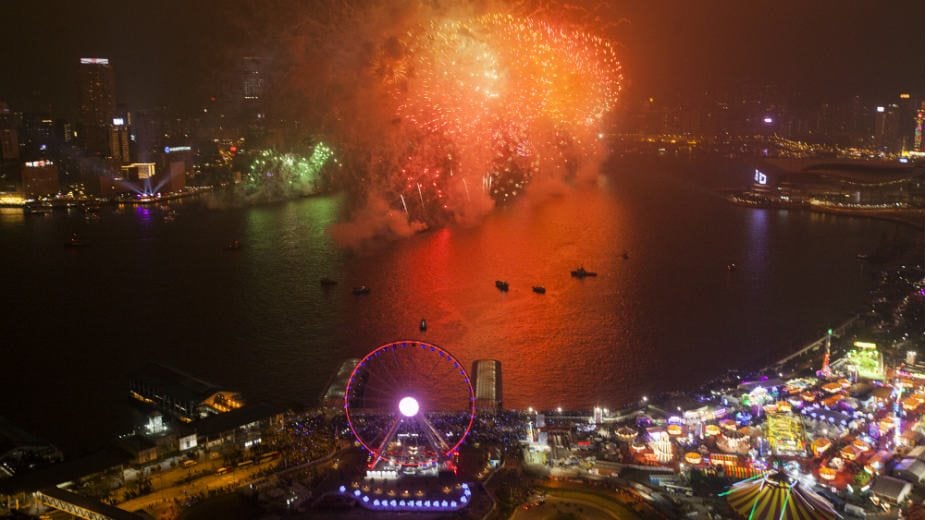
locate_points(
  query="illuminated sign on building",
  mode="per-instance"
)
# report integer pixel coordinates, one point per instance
(38, 164)
(94, 61)
(768, 120)
(172, 149)
(118, 121)
(881, 109)
(760, 178)
(905, 95)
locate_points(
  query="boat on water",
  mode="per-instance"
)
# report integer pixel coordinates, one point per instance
(581, 272)
(234, 245)
(625, 255)
(502, 285)
(92, 217)
(361, 290)
(863, 256)
(76, 241)
(731, 267)
(328, 282)
(423, 325)
(539, 289)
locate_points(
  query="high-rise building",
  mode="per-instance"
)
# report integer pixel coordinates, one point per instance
(253, 78)
(253, 105)
(151, 130)
(9, 134)
(487, 378)
(119, 139)
(9, 144)
(175, 163)
(39, 137)
(918, 143)
(97, 104)
(886, 126)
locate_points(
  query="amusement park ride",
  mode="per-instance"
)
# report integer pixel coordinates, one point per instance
(410, 404)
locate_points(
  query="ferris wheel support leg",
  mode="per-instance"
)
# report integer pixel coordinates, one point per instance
(435, 437)
(385, 442)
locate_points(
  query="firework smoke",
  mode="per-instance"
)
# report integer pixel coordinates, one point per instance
(442, 112)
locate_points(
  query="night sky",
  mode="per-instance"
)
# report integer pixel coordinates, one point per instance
(179, 53)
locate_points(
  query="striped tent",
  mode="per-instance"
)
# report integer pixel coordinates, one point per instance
(775, 496)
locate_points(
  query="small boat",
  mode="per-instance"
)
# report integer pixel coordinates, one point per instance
(731, 267)
(423, 325)
(328, 282)
(502, 285)
(170, 217)
(92, 217)
(234, 245)
(76, 241)
(539, 289)
(863, 256)
(361, 290)
(581, 272)
(626, 256)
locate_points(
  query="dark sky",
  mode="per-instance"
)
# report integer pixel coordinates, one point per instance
(180, 52)
(824, 48)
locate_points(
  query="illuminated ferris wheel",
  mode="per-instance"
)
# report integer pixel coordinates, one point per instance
(411, 405)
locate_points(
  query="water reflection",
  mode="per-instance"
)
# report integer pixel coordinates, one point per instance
(757, 253)
(257, 320)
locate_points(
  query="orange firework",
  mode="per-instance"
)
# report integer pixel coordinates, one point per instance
(507, 97)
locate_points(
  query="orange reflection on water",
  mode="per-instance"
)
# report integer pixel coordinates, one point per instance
(546, 342)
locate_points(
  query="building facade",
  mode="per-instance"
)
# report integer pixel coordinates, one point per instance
(487, 381)
(97, 105)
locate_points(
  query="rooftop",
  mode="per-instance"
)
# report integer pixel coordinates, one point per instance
(853, 171)
(216, 424)
(66, 471)
(178, 385)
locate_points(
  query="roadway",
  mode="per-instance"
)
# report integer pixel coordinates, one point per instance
(590, 506)
(164, 498)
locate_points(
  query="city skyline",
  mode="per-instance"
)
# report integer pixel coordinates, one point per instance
(181, 55)
(484, 259)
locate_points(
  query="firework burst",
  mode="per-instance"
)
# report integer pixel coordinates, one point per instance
(275, 176)
(443, 112)
(498, 99)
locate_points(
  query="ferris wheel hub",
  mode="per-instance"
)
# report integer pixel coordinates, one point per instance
(408, 406)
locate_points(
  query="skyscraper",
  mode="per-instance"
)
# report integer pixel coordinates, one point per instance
(97, 105)
(886, 126)
(253, 88)
(918, 144)
(119, 133)
(253, 78)
(9, 134)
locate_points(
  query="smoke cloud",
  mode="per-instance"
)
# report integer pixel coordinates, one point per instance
(441, 111)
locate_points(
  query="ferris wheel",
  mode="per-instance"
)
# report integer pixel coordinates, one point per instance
(410, 404)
